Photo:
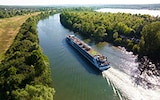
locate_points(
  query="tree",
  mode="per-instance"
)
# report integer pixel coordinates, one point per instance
(150, 40)
(37, 92)
(136, 48)
(115, 35)
(100, 33)
(23, 64)
(104, 26)
(118, 41)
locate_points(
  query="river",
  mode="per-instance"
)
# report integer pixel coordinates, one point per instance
(74, 78)
(132, 11)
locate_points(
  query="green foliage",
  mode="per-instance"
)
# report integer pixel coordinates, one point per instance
(150, 40)
(8, 11)
(12, 70)
(118, 28)
(89, 23)
(123, 28)
(37, 92)
(136, 48)
(99, 33)
(118, 41)
(25, 66)
(115, 35)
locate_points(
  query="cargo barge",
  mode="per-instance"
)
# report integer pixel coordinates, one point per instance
(97, 59)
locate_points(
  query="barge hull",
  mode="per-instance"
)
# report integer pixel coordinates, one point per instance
(94, 59)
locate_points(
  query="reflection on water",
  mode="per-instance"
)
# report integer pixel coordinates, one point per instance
(132, 11)
(77, 79)
(74, 77)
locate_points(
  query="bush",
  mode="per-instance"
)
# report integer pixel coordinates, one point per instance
(25, 72)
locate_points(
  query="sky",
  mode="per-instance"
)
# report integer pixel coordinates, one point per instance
(60, 2)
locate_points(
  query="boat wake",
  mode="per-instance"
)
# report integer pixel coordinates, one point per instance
(132, 87)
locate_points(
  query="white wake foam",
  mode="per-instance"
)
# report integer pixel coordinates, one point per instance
(128, 87)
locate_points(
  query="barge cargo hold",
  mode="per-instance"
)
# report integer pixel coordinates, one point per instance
(97, 59)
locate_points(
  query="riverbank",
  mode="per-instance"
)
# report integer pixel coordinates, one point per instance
(9, 28)
(133, 32)
(153, 59)
(74, 77)
(94, 25)
(25, 69)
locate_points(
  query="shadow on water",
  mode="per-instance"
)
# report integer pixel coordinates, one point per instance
(89, 67)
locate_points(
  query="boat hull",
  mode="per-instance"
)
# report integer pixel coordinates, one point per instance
(85, 54)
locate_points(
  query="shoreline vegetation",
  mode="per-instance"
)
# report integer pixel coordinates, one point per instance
(9, 28)
(11, 18)
(24, 71)
(137, 33)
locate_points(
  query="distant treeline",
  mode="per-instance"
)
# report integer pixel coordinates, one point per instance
(133, 6)
(10, 11)
(6, 12)
(138, 33)
(25, 72)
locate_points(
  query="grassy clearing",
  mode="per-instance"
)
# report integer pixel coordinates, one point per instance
(9, 28)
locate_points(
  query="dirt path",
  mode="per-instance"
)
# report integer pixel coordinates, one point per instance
(9, 28)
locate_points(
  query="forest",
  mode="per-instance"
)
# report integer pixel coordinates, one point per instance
(138, 33)
(24, 71)
(6, 12)
(10, 11)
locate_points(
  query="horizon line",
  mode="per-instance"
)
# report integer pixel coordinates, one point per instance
(75, 4)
